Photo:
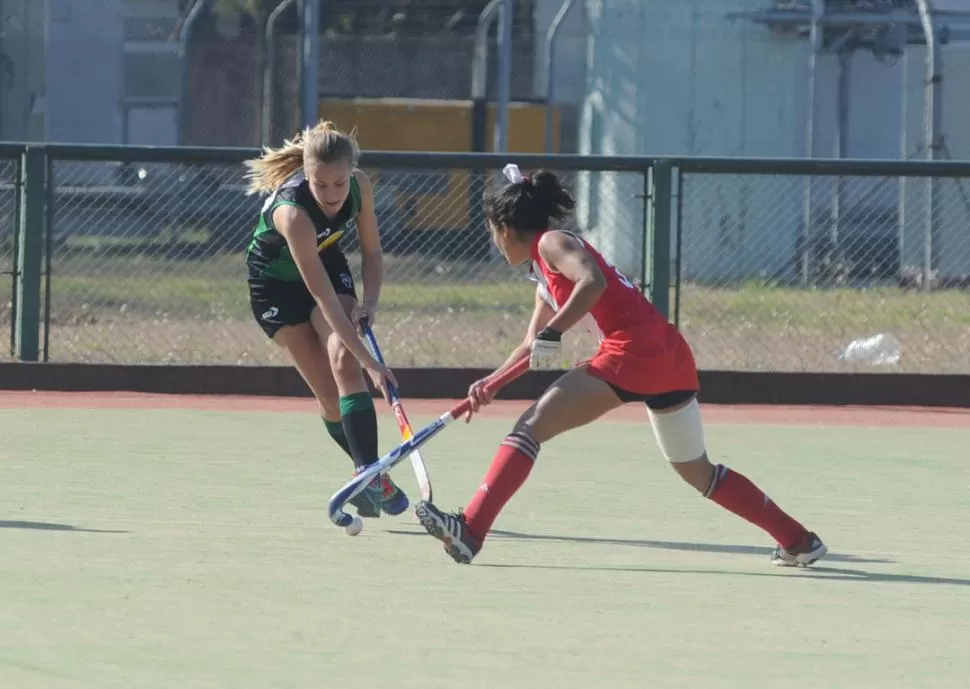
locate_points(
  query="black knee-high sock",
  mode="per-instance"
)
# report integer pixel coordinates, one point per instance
(336, 431)
(359, 421)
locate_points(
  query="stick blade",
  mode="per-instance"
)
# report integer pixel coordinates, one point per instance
(421, 474)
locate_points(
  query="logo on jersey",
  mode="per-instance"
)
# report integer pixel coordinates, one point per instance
(326, 239)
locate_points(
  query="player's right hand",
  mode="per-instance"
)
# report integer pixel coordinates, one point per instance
(381, 374)
(479, 395)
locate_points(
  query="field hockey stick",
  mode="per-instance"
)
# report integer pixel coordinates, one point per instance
(357, 484)
(394, 399)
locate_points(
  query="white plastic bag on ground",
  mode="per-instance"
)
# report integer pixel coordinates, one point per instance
(880, 350)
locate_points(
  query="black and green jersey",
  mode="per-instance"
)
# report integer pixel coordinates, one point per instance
(269, 256)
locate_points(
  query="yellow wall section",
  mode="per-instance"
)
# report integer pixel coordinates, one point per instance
(398, 124)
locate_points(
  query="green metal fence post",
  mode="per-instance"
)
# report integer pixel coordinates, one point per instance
(30, 254)
(646, 273)
(660, 198)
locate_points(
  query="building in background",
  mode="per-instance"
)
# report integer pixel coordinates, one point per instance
(108, 71)
(688, 78)
(22, 78)
(88, 72)
(651, 77)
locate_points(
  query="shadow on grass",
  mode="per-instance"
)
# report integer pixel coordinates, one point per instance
(48, 526)
(678, 545)
(661, 545)
(814, 572)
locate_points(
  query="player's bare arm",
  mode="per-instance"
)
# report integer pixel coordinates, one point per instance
(372, 257)
(478, 393)
(563, 254)
(294, 224)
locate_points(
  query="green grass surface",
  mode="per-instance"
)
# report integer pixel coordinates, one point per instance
(191, 549)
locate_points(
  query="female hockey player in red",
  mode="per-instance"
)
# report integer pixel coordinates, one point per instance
(641, 358)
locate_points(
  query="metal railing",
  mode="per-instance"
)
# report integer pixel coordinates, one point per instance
(780, 265)
(136, 255)
(11, 180)
(145, 248)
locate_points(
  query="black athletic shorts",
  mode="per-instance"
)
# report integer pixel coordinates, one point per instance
(658, 402)
(276, 303)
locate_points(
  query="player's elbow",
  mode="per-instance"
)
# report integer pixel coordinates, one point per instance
(595, 283)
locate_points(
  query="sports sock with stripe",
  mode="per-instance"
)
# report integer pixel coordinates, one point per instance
(734, 492)
(359, 422)
(509, 469)
(336, 431)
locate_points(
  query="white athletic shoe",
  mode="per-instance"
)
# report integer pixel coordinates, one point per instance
(803, 554)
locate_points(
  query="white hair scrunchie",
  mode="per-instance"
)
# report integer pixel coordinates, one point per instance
(512, 173)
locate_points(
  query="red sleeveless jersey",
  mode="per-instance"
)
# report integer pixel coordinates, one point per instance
(639, 350)
(622, 307)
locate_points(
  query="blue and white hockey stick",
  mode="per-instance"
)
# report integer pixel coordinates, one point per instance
(353, 487)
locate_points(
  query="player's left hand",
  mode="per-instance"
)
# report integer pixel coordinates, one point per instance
(363, 312)
(546, 351)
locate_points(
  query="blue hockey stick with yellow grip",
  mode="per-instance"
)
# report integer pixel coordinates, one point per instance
(394, 399)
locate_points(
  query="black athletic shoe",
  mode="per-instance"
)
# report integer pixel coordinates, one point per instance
(450, 529)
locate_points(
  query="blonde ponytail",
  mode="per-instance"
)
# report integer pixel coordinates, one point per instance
(324, 143)
(274, 167)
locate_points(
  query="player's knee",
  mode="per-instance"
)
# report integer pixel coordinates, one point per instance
(696, 473)
(533, 423)
(680, 434)
(342, 361)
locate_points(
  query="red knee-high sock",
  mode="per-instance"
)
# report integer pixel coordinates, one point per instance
(734, 492)
(509, 470)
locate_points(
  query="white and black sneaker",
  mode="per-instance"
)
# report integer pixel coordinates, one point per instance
(804, 553)
(450, 529)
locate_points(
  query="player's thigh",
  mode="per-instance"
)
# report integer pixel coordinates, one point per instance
(679, 431)
(310, 358)
(332, 343)
(284, 310)
(574, 400)
(346, 370)
(319, 321)
(338, 270)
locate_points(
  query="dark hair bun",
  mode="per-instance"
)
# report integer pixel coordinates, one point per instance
(528, 206)
(551, 193)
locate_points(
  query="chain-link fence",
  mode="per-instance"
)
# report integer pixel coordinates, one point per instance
(9, 204)
(148, 264)
(147, 261)
(760, 293)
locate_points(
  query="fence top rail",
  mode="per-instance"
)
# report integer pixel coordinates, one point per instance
(12, 149)
(528, 161)
(824, 166)
(149, 154)
(391, 159)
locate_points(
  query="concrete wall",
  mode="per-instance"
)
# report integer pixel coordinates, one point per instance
(22, 70)
(83, 71)
(61, 70)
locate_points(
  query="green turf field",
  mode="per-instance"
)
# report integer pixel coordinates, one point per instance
(188, 549)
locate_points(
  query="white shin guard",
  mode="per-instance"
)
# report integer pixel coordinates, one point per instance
(679, 433)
